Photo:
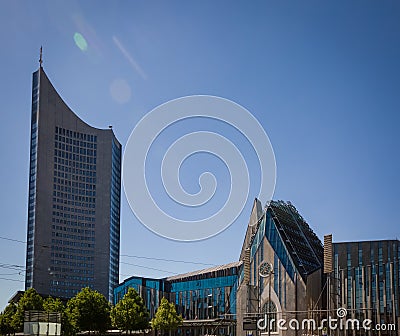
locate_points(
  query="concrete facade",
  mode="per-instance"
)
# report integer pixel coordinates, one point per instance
(288, 292)
(74, 199)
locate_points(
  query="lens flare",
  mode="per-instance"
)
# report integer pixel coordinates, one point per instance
(120, 91)
(80, 41)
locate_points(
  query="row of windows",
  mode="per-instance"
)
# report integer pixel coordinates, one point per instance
(75, 149)
(73, 177)
(82, 203)
(71, 256)
(71, 243)
(65, 291)
(71, 250)
(69, 183)
(76, 135)
(71, 270)
(71, 236)
(71, 263)
(74, 191)
(72, 223)
(72, 277)
(76, 210)
(81, 169)
(74, 160)
(180, 286)
(71, 141)
(69, 284)
(71, 216)
(73, 209)
(69, 229)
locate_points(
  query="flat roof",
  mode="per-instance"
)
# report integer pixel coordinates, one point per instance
(204, 271)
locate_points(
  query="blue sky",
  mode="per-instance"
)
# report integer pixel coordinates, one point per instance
(323, 79)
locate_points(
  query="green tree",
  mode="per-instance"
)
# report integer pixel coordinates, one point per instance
(30, 300)
(166, 319)
(55, 305)
(89, 311)
(130, 313)
(6, 318)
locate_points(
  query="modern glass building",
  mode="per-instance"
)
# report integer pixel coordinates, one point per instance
(151, 290)
(365, 281)
(205, 294)
(74, 199)
(206, 299)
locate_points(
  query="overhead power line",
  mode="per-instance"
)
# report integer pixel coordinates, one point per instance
(169, 260)
(13, 240)
(135, 256)
(13, 267)
(150, 268)
(15, 280)
(6, 274)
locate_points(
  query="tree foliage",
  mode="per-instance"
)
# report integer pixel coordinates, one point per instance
(56, 305)
(89, 311)
(53, 305)
(166, 318)
(130, 313)
(30, 300)
(6, 317)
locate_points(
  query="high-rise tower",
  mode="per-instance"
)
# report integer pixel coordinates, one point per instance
(74, 199)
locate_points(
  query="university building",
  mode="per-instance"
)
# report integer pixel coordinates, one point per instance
(282, 274)
(74, 199)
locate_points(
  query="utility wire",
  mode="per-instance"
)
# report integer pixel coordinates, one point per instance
(5, 274)
(12, 280)
(169, 260)
(21, 268)
(13, 240)
(151, 268)
(134, 256)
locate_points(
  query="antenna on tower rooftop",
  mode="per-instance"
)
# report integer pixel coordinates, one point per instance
(41, 59)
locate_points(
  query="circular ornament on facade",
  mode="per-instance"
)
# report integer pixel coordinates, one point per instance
(265, 269)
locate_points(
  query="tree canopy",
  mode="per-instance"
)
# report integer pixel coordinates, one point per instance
(130, 313)
(53, 305)
(166, 318)
(30, 300)
(89, 311)
(6, 318)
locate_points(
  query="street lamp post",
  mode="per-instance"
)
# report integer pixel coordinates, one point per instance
(265, 270)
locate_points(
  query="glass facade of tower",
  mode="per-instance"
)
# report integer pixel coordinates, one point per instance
(115, 215)
(73, 216)
(32, 181)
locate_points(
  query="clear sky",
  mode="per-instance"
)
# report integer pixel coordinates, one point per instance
(323, 79)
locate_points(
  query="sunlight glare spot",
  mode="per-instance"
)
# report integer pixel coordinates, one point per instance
(80, 41)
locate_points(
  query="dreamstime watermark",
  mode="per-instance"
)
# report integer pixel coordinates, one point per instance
(144, 204)
(340, 322)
